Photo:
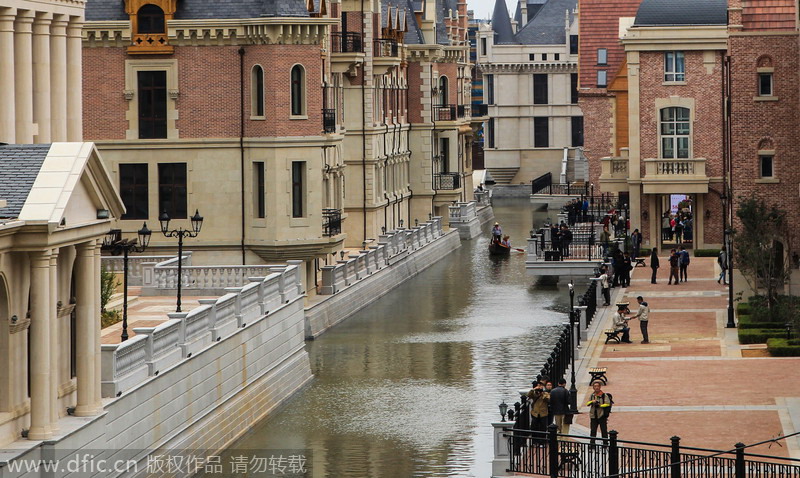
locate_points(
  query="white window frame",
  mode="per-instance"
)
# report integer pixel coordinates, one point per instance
(602, 56)
(674, 67)
(674, 135)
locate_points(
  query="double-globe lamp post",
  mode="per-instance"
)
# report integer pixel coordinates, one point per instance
(180, 233)
(116, 245)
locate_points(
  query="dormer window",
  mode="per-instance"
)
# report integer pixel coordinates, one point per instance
(151, 19)
(149, 25)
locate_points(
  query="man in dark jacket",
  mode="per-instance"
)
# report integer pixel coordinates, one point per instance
(654, 264)
(559, 405)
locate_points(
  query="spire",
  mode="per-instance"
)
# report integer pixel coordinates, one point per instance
(501, 24)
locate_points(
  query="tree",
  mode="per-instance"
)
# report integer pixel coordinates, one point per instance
(763, 247)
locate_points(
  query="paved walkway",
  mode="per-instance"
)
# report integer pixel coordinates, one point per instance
(147, 312)
(692, 380)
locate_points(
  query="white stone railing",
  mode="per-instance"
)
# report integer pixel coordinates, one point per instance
(463, 212)
(136, 264)
(164, 275)
(483, 198)
(675, 167)
(369, 261)
(154, 349)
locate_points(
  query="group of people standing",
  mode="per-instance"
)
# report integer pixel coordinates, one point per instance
(560, 239)
(621, 319)
(678, 227)
(679, 261)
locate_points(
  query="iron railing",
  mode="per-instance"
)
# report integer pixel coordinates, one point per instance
(384, 47)
(347, 42)
(444, 113)
(542, 184)
(446, 181)
(479, 110)
(329, 120)
(331, 222)
(557, 363)
(461, 111)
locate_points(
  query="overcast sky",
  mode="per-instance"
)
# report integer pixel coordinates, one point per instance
(484, 8)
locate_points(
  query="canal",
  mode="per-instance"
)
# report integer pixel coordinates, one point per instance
(409, 386)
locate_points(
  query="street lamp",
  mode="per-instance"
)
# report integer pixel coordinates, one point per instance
(180, 233)
(573, 391)
(503, 410)
(116, 245)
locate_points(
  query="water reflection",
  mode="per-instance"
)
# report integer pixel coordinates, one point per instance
(409, 386)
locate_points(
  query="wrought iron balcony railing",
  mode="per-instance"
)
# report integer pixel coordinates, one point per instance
(444, 113)
(386, 48)
(329, 120)
(347, 42)
(446, 181)
(331, 222)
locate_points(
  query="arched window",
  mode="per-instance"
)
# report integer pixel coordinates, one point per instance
(298, 91)
(443, 91)
(150, 19)
(675, 132)
(257, 91)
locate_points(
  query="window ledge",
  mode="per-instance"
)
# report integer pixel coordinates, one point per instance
(258, 118)
(298, 117)
(674, 83)
(767, 181)
(765, 98)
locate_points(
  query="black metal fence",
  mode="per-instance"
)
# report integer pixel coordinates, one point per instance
(329, 120)
(444, 113)
(479, 110)
(384, 47)
(554, 455)
(347, 42)
(542, 184)
(557, 363)
(331, 222)
(446, 181)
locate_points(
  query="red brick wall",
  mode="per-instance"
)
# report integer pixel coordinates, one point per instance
(599, 28)
(104, 105)
(598, 135)
(450, 70)
(414, 92)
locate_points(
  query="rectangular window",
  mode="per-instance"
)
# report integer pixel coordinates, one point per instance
(490, 133)
(152, 91)
(298, 188)
(133, 189)
(674, 67)
(483, 47)
(556, 56)
(544, 56)
(675, 132)
(172, 189)
(541, 132)
(573, 88)
(602, 56)
(573, 44)
(577, 131)
(259, 192)
(531, 57)
(444, 154)
(765, 84)
(766, 165)
(602, 78)
(540, 89)
(489, 89)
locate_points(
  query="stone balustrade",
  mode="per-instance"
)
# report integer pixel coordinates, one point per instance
(369, 261)
(463, 212)
(483, 198)
(212, 279)
(136, 265)
(154, 349)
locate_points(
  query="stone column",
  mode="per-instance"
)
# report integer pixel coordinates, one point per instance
(41, 394)
(55, 348)
(7, 118)
(74, 80)
(58, 78)
(23, 77)
(41, 75)
(85, 300)
(97, 392)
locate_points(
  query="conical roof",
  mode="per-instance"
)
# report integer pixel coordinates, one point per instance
(501, 24)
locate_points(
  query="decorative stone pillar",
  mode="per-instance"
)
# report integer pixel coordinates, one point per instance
(58, 78)
(7, 118)
(23, 77)
(41, 395)
(55, 347)
(74, 79)
(98, 396)
(84, 308)
(41, 75)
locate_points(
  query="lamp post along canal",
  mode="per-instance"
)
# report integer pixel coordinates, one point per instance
(573, 391)
(116, 245)
(180, 233)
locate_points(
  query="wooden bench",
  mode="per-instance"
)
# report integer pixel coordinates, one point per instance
(598, 373)
(640, 263)
(612, 334)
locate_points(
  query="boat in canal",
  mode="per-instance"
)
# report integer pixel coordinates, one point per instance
(498, 249)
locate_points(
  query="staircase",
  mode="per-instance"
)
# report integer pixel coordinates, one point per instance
(503, 175)
(578, 167)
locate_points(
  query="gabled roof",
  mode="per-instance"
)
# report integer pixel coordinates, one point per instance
(406, 17)
(501, 24)
(682, 12)
(548, 26)
(100, 10)
(19, 166)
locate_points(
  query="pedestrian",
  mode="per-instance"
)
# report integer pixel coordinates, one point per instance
(599, 403)
(566, 240)
(672, 224)
(548, 387)
(538, 398)
(665, 227)
(617, 264)
(497, 232)
(604, 286)
(627, 267)
(643, 314)
(722, 260)
(559, 406)
(605, 239)
(636, 243)
(679, 230)
(674, 261)
(621, 323)
(654, 264)
(555, 240)
(684, 263)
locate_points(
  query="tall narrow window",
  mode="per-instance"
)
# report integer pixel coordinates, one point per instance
(298, 188)
(540, 89)
(674, 67)
(490, 133)
(133, 189)
(150, 19)
(602, 78)
(766, 165)
(257, 91)
(172, 189)
(573, 44)
(298, 91)
(444, 153)
(765, 84)
(544, 56)
(152, 86)
(577, 131)
(675, 132)
(483, 47)
(602, 56)
(541, 132)
(573, 88)
(259, 192)
(443, 91)
(489, 89)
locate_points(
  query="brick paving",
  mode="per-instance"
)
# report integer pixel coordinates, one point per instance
(147, 312)
(692, 380)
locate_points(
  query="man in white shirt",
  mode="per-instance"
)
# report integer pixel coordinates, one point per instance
(604, 286)
(621, 323)
(643, 314)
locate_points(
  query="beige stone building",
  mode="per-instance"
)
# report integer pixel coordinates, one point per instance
(530, 82)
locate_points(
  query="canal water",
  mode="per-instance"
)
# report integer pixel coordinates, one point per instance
(409, 386)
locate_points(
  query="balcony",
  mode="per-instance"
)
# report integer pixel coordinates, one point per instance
(444, 113)
(385, 48)
(614, 172)
(479, 111)
(685, 176)
(150, 44)
(329, 120)
(446, 181)
(331, 222)
(347, 52)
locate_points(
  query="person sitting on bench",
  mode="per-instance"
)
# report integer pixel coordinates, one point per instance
(621, 322)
